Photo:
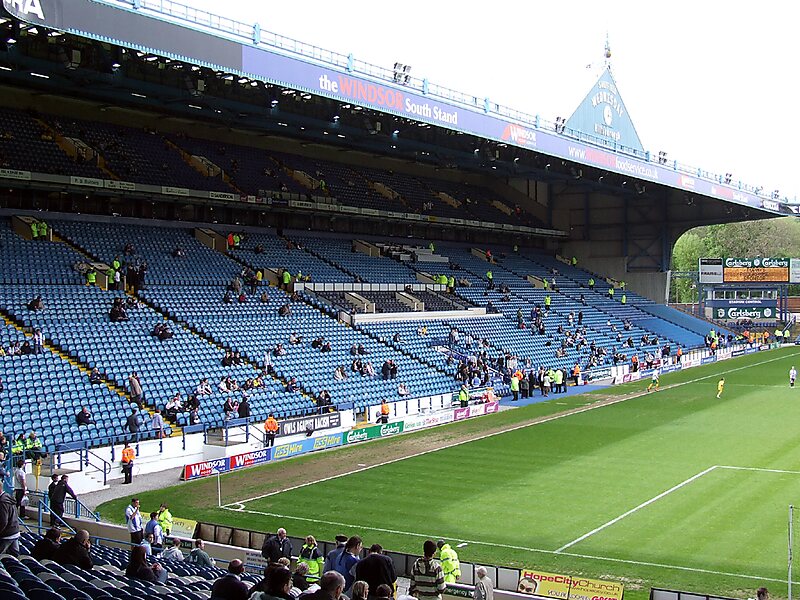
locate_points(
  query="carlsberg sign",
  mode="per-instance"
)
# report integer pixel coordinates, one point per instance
(372, 432)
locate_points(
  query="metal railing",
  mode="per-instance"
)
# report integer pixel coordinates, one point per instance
(72, 507)
(252, 34)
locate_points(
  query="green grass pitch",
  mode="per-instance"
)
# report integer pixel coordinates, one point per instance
(671, 489)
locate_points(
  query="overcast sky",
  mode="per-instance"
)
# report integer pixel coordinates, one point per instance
(711, 83)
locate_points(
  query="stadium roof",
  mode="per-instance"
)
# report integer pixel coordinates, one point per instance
(181, 33)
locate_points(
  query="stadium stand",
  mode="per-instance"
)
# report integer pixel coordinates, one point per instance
(27, 578)
(187, 293)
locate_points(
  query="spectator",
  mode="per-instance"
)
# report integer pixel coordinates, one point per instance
(84, 417)
(58, 495)
(427, 578)
(199, 556)
(285, 311)
(331, 587)
(135, 388)
(484, 589)
(174, 551)
(46, 547)
(133, 520)
(132, 424)
(36, 304)
(203, 388)
(157, 424)
(147, 544)
(376, 569)
(153, 528)
(384, 592)
(9, 525)
(173, 407)
(299, 578)
(244, 408)
(334, 554)
(75, 551)
(20, 487)
(348, 560)
(230, 586)
(275, 586)
(230, 407)
(402, 390)
(276, 546)
(139, 569)
(360, 590)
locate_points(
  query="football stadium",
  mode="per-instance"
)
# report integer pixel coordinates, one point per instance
(282, 323)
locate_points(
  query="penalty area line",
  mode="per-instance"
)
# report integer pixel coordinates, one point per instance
(436, 536)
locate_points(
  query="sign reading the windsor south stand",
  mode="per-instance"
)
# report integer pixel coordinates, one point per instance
(561, 587)
(749, 270)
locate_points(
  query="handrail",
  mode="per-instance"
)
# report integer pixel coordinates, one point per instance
(252, 34)
(42, 505)
(71, 506)
(106, 465)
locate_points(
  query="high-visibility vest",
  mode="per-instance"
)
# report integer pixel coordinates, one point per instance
(42, 228)
(35, 229)
(259, 275)
(271, 425)
(116, 264)
(385, 408)
(165, 519)
(463, 395)
(18, 446)
(624, 299)
(591, 282)
(451, 567)
(91, 276)
(431, 247)
(611, 291)
(489, 275)
(547, 300)
(236, 239)
(287, 277)
(451, 282)
(128, 455)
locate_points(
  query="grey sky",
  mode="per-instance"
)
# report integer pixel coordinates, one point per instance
(711, 83)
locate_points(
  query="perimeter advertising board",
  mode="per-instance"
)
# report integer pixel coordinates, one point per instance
(372, 432)
(554, 585)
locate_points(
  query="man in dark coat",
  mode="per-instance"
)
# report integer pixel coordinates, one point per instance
(376, 569)
(277, 546)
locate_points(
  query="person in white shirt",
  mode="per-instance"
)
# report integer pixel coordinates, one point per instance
(133, 519)
(203, 388)
(157, 424)
(792, 376)
(174, 551)
(20, 488)
(484, 589)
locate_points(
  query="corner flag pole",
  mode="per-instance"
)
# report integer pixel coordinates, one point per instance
(791, 544)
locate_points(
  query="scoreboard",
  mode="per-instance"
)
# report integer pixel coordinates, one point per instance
(749, 270)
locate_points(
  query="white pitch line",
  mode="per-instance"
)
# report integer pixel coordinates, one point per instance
(764, 470)
(431, 536)
(586, 408)
(636, 508)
